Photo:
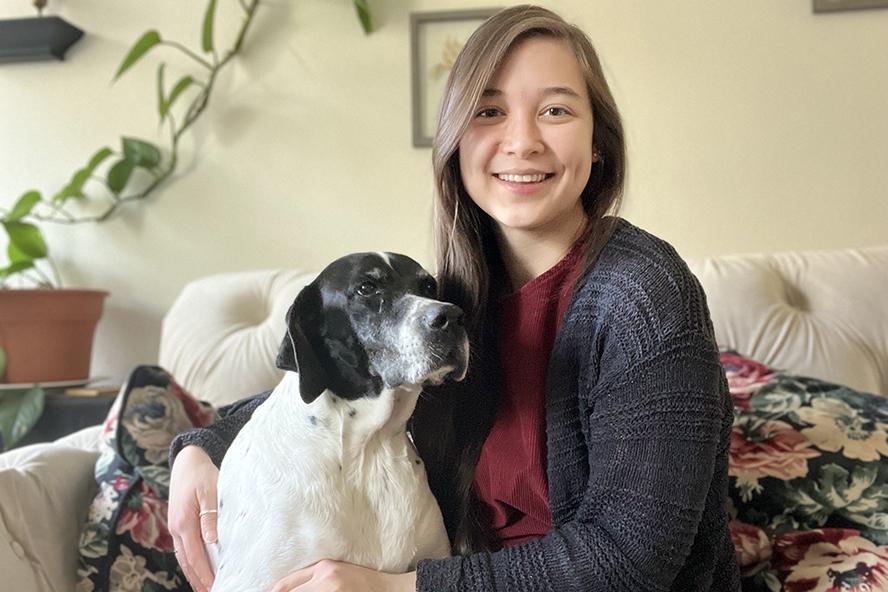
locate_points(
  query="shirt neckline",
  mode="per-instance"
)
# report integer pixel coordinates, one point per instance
(552, 275)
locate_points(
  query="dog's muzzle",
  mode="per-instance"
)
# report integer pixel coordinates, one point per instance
(443, 324)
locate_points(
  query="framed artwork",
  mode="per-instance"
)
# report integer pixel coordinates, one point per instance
(834, 5)
(435, 40)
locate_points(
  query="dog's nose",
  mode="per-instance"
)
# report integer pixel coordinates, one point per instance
(441, 316)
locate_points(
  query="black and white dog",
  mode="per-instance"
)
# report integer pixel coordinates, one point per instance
(325, 467)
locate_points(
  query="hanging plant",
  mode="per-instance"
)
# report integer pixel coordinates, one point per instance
(28, 255)
(27, 252)
(111, 178)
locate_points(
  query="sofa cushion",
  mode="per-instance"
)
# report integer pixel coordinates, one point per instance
(44, 494)
(125, 544)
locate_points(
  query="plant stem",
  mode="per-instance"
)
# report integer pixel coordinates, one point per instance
(194, 111)
(189, 53)
(36, 281)
(55, 272)
(251, 12)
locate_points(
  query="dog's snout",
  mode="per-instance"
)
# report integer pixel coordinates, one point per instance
(442, 316)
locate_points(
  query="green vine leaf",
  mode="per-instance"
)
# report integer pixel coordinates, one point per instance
(27, 238)
(15, 254)
(209, 17)
(139, 49)
(141, 153)
(74, 188)
(14, 268)
(23, 206)
(19, 411)
(160, 98)
(363, 10)
(77, 182)
(98, 158)
(180, 87)
(119, 175)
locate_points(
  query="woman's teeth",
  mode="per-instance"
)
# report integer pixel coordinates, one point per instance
(521, 178)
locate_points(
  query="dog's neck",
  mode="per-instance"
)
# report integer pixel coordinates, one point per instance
(358, 424)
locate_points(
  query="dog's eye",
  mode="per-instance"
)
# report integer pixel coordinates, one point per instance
(429, 287)
(367, 289)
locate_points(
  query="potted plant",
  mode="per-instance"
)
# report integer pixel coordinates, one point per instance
(37, 316)
(46, 331)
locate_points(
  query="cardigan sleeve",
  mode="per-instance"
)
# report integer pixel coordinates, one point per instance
(651, 415)
(217, 437)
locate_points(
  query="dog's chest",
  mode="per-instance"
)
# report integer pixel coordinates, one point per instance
(289, 497)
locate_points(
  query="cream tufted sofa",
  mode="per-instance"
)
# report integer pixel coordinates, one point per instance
(817, 313)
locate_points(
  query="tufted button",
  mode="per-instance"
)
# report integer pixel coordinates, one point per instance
(795, 298)
(18, 549)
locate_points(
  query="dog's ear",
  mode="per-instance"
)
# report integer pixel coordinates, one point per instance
(296, 353)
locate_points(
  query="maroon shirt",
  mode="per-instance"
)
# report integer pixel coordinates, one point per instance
(510, 478)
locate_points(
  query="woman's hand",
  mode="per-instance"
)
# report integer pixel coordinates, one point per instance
(336, 576)
(192, 493)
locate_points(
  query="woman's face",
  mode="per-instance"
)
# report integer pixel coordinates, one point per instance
(527, 153)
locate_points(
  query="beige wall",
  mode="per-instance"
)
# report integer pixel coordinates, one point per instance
(752, 126)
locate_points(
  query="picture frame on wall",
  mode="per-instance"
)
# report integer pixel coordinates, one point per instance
(836, 5)
(435, 40)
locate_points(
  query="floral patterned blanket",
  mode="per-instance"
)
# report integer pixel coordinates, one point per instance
(126, 545)
(809, 485)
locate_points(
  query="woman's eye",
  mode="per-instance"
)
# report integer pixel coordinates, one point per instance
(488, 112)
(556, 111)
(367, 289)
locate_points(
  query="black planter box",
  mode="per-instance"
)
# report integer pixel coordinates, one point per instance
(39, 38)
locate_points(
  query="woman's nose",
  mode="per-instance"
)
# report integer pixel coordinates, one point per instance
(523, 137)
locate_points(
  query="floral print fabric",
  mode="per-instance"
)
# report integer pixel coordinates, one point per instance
(125, 545)
(809, 482)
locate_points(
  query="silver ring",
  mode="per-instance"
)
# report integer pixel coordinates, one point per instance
(207, 513)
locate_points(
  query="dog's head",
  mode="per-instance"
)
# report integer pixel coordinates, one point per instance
(370, 321)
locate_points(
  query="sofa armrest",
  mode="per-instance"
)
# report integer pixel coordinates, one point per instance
(45, 494)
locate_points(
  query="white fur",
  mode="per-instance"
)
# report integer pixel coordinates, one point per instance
(350, 488)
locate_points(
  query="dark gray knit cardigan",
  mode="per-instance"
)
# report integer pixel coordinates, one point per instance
(638, 419)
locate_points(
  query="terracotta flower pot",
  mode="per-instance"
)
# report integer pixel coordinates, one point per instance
(48, 334)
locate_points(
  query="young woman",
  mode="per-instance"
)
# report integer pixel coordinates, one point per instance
(587, 448)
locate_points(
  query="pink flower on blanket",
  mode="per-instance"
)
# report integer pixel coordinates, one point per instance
(751, 546)
(145, 518)
(766, 448)
(745, 377)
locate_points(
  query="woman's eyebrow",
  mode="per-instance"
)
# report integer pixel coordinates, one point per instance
(548, 91)
(561, 90)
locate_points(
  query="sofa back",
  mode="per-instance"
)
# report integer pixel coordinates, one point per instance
(815, 313)
(221, 336)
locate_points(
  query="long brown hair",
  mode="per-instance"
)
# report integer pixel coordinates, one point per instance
(452, 423)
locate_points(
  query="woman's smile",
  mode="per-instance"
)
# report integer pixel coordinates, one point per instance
(524, 183)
